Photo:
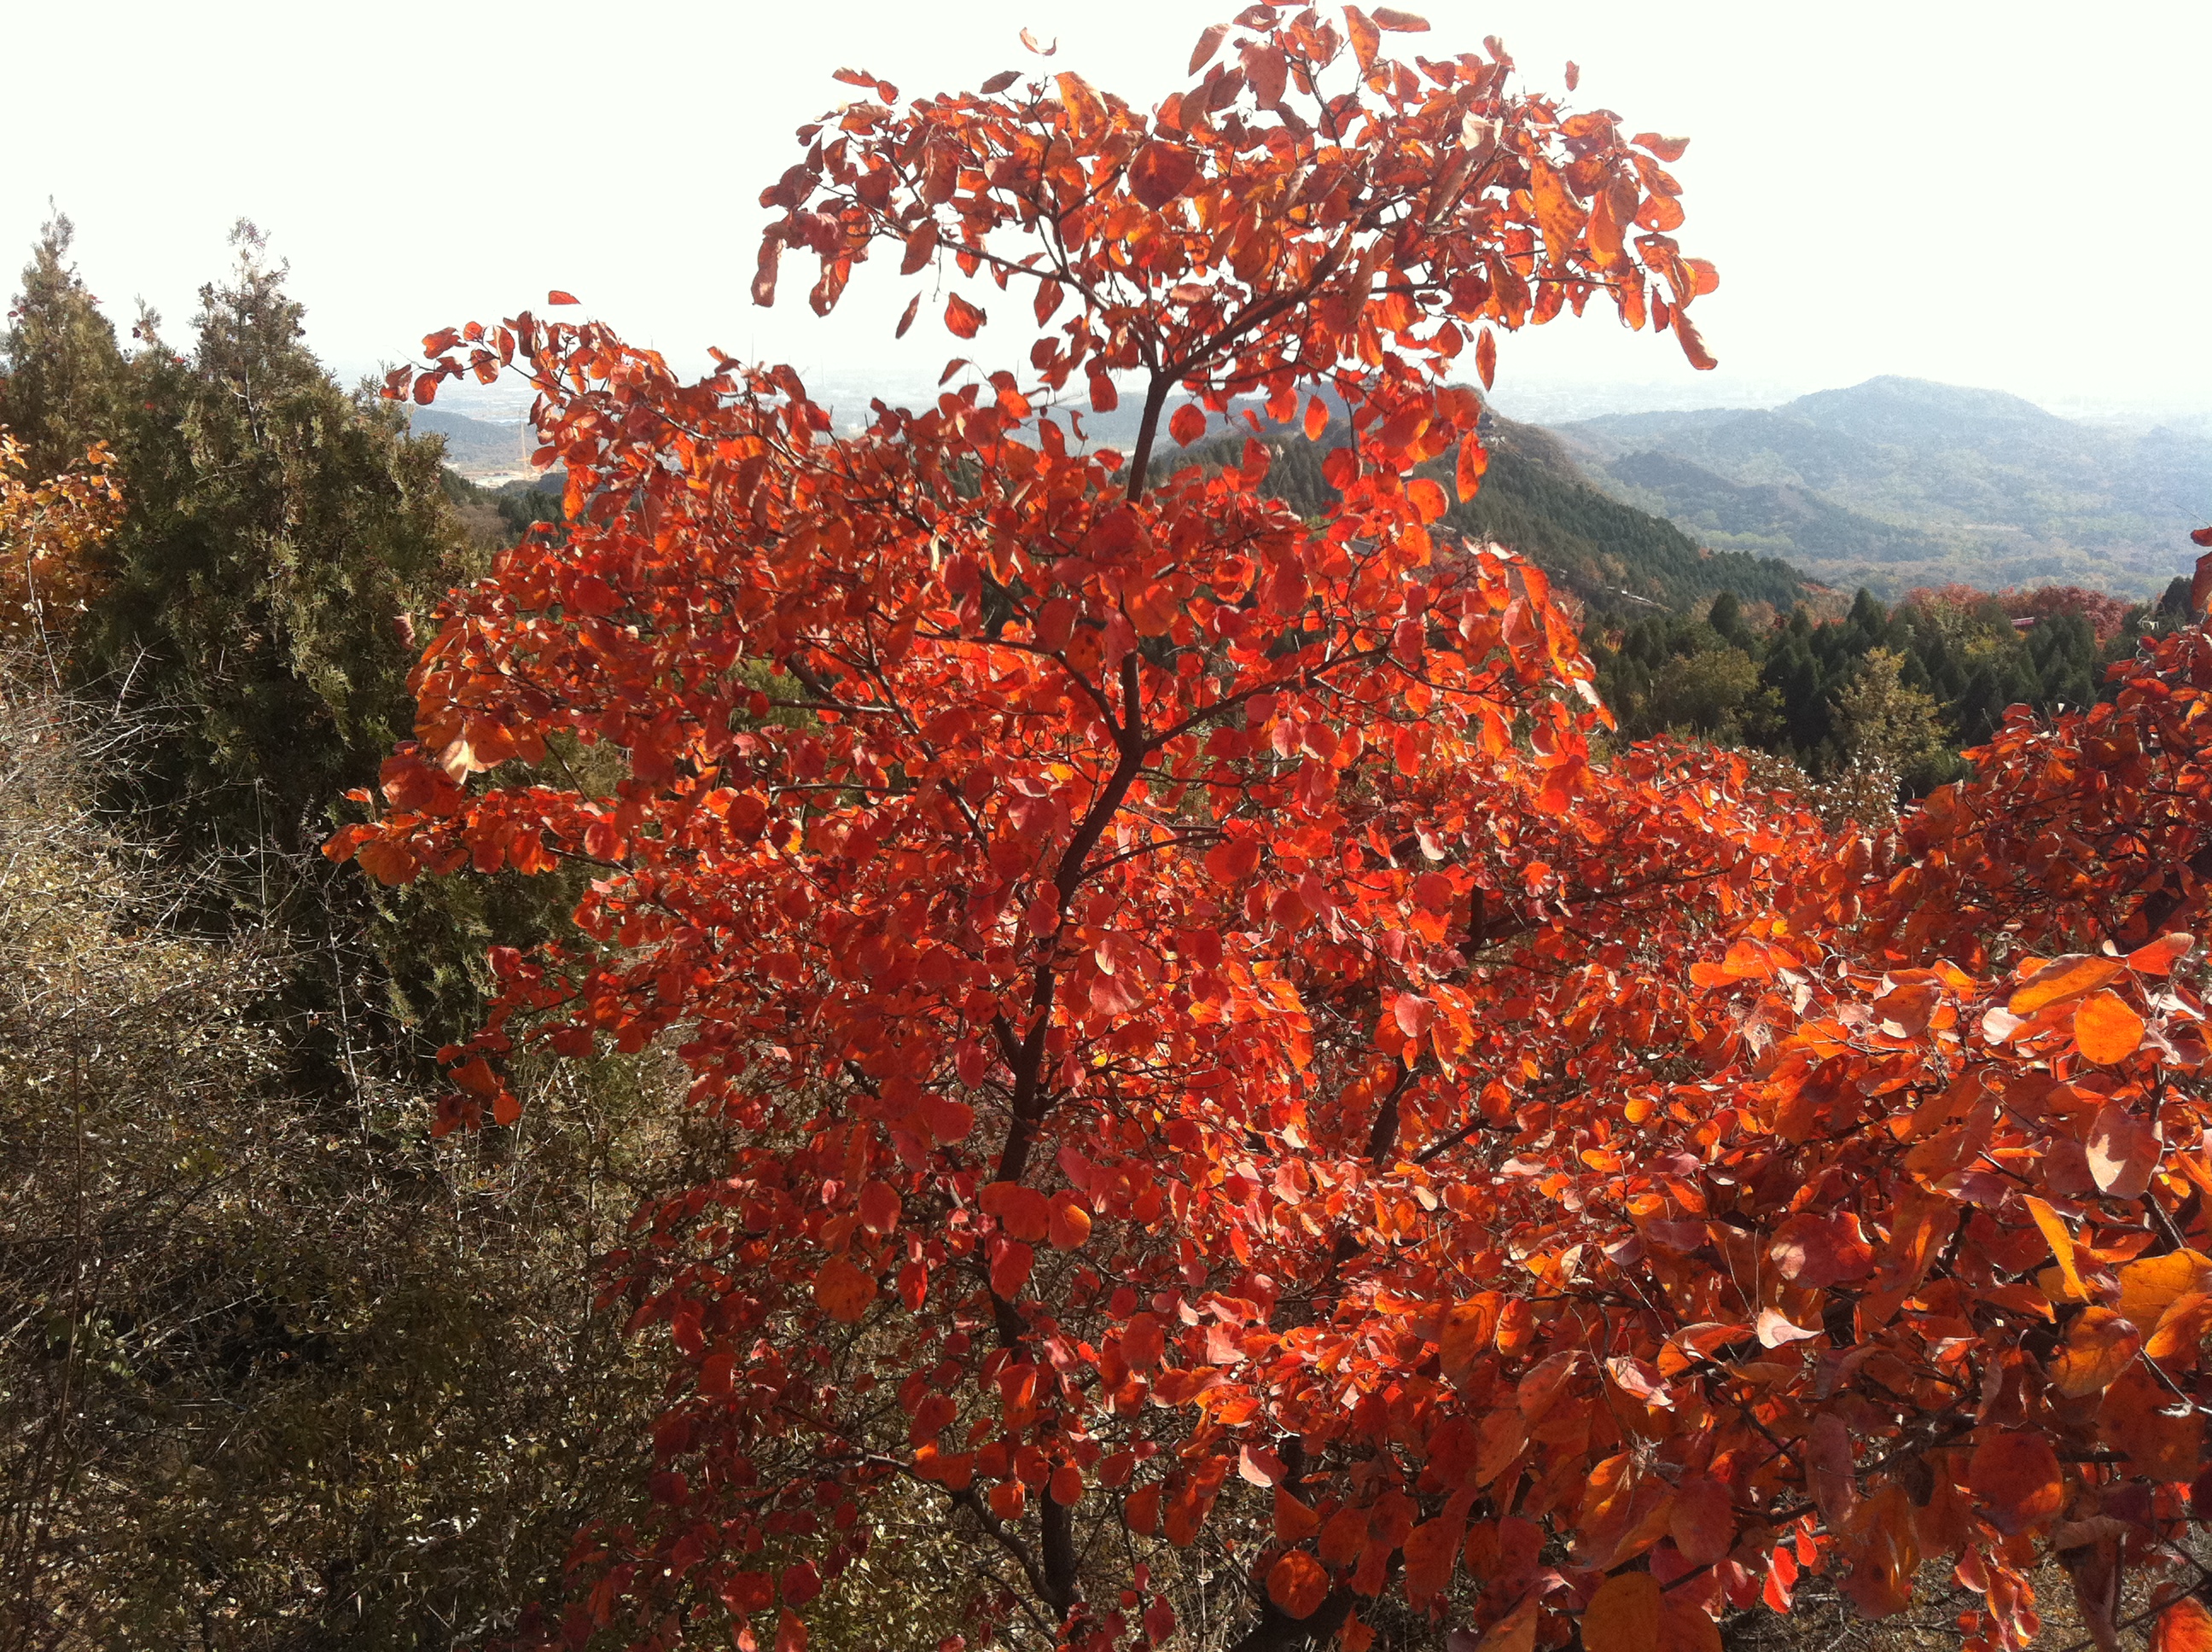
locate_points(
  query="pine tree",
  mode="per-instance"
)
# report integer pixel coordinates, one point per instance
(63, 386)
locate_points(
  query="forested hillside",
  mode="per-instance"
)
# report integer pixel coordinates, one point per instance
(1613, 558)
(1899, 482)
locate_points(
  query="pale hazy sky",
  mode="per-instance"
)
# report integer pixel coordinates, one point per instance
(2009, 195)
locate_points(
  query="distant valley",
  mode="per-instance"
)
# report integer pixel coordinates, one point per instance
(1899, 482)
(482, 450)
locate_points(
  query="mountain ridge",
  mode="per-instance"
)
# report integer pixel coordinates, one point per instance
(1934, 483)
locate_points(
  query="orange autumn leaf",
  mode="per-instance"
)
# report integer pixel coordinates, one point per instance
(2062, 978)
(2179, 1334)
(1686, 1626)
(2016, 1474)
(2057, 1235)
(2158, 957)
(2099, 1347)
(2152, 1285)
(1627, 1614)
(2106, 1029)
(843, 1292)
(2185, 1626)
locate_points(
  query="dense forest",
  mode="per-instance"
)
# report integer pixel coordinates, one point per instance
(1909, 686)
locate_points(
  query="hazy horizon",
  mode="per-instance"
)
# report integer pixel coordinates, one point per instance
(1877, 189)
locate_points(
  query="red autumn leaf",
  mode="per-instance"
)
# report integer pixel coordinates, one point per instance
(1474, 461)
(1432, 1549)
(1778, 1331)
(1414, 1015)
(1023, 1213)
(1485, 356)
(920, 246)
(1188, 424)
(1010, 1267)
(748, 1591)
(1366, 39)
(557, 297)
(1070, 1227)
(2016, 1474)
(1234, 861)
(1294, 1521)
(1209, 42)
(949, 1121)
(879, 1207)
(1297, 1583)
(1810, 1250)
(1694, 343)
(962, 318)
(1701, 1519)
(1161, 172)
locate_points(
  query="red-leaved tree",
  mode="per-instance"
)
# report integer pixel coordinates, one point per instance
(1235, 1111)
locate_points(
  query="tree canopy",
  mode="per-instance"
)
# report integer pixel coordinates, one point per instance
(1236, 1112)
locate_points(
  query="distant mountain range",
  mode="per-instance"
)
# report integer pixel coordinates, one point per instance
(1890, 484)
(1897, 483)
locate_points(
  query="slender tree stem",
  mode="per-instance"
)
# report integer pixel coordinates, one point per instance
(1156, 398)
